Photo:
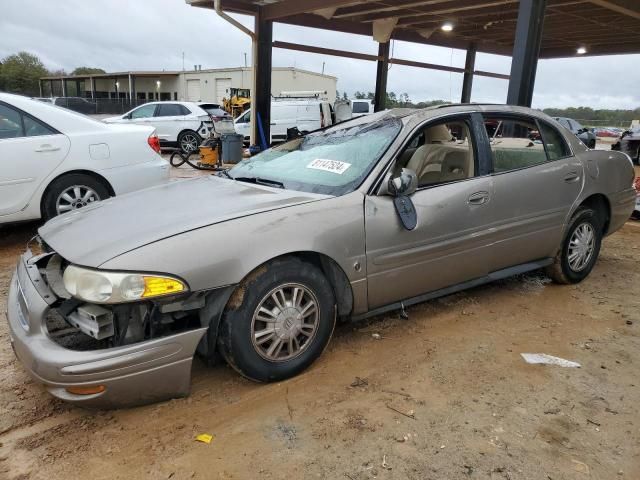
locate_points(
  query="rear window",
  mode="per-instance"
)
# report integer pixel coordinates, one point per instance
(360, 107)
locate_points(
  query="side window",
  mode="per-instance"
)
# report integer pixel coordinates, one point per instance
(184, 110)
(515, 143)
(35, 128)
(440, 153)
(10, 123)
(169, 110)
(554, 141)
(144, 111)
(244, 118)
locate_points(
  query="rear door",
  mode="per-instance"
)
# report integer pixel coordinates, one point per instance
(536, 181)
(29, 151)
(169, 120)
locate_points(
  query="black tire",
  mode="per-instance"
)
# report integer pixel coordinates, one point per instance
(592, 144)
(235, 340)
(188, 137)
(561, 270)
(60, 185)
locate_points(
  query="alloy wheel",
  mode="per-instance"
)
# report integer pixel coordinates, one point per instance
(285, 322)
(189, 143)
(581, 246)
(74, 197)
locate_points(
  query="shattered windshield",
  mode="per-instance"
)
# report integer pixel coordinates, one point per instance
(331, 162)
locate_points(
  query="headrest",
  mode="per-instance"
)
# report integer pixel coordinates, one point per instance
(437, 134)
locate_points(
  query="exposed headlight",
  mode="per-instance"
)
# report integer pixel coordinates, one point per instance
(118, 287)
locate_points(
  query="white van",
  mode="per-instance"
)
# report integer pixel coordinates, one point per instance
(361, 107)
(307, 115)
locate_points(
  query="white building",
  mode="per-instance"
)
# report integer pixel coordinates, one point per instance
(211, 85)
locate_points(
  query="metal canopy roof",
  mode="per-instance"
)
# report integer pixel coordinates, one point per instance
(603, 27)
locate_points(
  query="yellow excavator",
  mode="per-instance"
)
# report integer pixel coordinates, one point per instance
(239, 100)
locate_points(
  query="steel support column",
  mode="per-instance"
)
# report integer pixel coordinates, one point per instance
(64, 87)
(40, 86)
(92, 82)
(380, 97)
(526, 49)
(262, 75)
(469, 68)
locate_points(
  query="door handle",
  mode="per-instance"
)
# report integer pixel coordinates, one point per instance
(572, 177)
(478, 198)
(47, 148)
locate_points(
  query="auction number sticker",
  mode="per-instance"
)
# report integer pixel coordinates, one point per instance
(333, 166)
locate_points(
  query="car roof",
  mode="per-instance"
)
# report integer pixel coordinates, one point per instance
(59, 118)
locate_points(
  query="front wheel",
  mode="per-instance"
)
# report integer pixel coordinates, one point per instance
(279, 321)
(580, 248)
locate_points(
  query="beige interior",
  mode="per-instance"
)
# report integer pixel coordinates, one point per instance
(442, 158)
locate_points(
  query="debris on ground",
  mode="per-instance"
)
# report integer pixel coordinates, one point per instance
(360, 382)
(544, 359)
(204, 438)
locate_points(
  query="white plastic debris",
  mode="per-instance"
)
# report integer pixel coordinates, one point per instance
(543, 358)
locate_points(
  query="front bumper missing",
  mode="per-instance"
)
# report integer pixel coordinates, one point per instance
(134, 374)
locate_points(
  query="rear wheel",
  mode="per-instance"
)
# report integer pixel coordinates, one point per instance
(279, 321)
(189, 141)
(592, 144)
(580, 248)
(72, 192)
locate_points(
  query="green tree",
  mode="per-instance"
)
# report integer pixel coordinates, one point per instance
(87, 71)
(344, 96)
(20, 74)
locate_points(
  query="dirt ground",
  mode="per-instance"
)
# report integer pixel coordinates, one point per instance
(442, 395)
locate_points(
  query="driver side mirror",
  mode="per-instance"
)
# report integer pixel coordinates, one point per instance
(403, 185)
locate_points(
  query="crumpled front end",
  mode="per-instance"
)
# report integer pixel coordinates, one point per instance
(98, 355)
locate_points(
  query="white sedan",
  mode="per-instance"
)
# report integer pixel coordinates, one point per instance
(54, 160)
(181, 124)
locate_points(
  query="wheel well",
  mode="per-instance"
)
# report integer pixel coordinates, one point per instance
(89, 173)
(600, 204)
(332, 271)
(188, 130)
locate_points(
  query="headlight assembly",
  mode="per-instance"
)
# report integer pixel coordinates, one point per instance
(118, 287)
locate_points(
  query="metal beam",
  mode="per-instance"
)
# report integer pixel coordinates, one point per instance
(469, 67)
(526, 49)
(262, 74)
(630, 8)
(325, 51)
(285, 8)
(375, 58)
(380, 97)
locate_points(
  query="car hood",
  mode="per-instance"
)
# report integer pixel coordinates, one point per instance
(95, 234)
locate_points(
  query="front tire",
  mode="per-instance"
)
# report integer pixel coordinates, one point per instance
(279, 321)
(71, 192)
(580, 248)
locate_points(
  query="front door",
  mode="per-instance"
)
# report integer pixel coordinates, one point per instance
(536, 182)
(453, 204)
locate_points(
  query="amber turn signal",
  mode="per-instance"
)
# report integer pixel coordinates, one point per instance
(86, 389)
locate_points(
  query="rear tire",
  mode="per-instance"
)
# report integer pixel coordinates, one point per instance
(279, 321)
(189, 141)
(580, 248)
(71, 192)
(592, 144)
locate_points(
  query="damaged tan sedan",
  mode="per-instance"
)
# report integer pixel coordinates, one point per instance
(256, 265)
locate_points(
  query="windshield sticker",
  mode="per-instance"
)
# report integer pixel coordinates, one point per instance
(333, 166)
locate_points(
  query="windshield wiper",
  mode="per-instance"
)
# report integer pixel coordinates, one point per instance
(261, 181)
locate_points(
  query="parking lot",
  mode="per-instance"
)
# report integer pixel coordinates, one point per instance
(444, 394)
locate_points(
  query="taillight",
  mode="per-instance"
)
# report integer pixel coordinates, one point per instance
(154, 143)
(636, 185)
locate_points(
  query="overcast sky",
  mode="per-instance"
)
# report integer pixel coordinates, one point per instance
(121, 35)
